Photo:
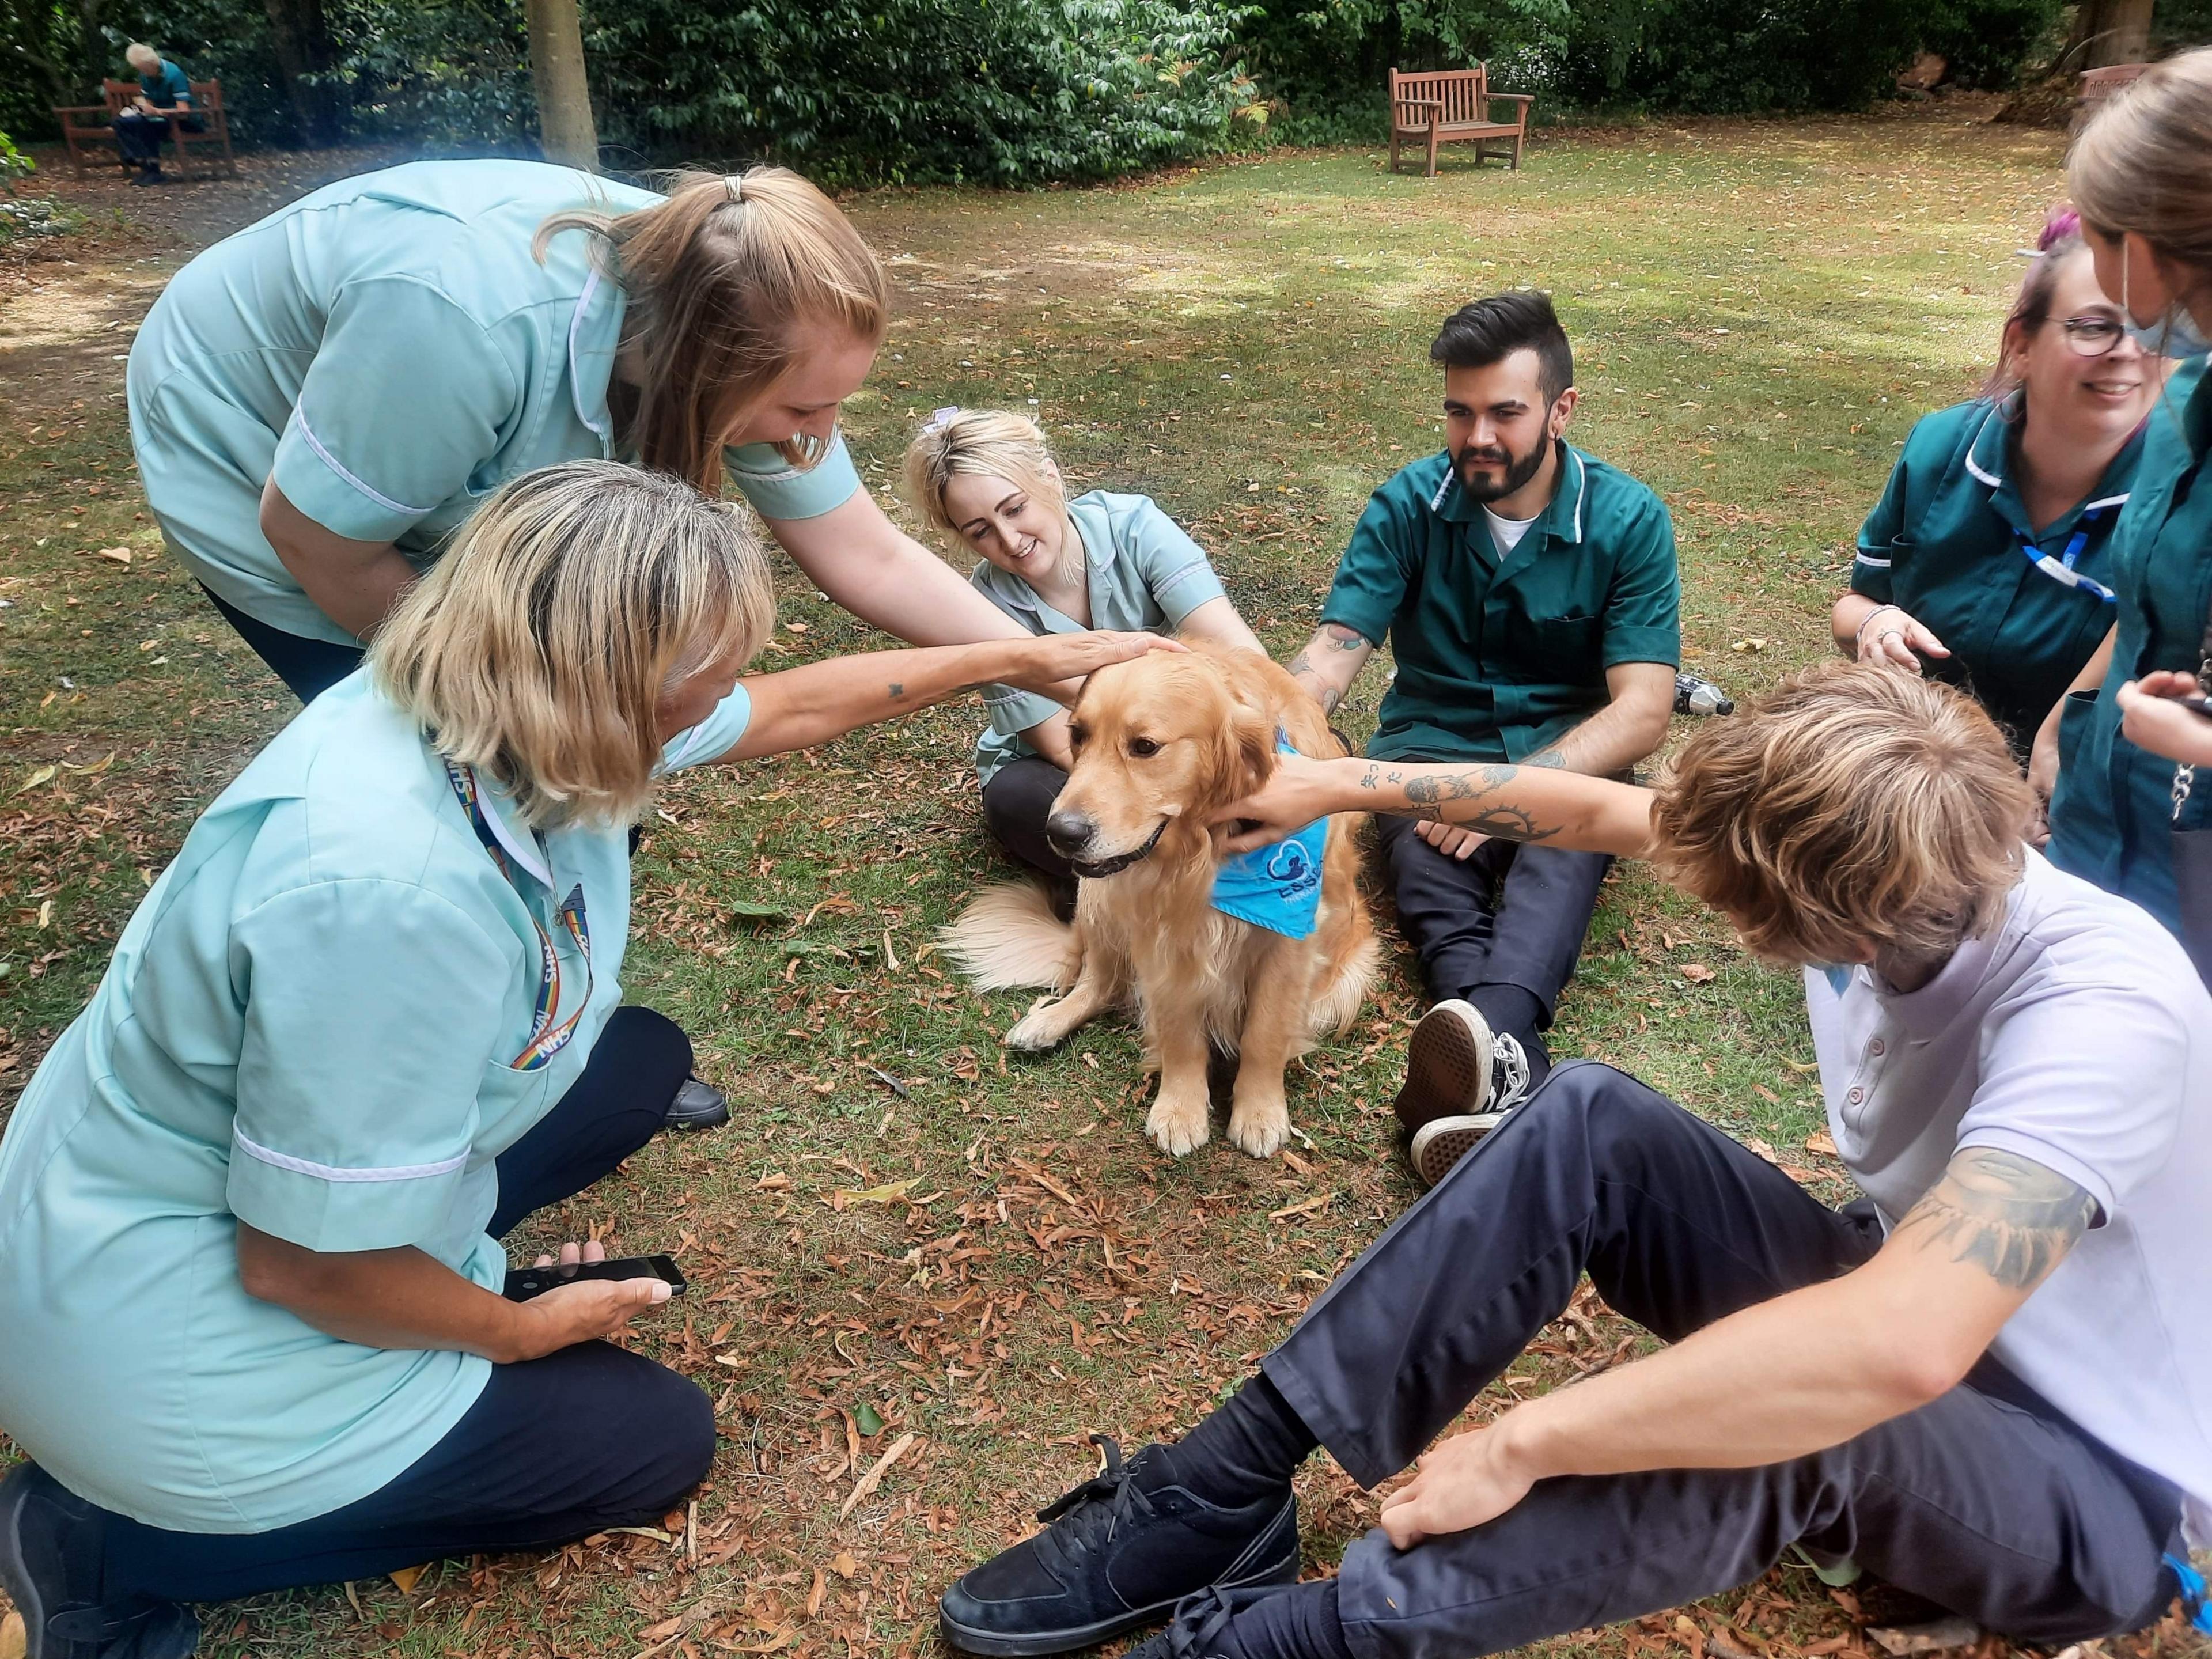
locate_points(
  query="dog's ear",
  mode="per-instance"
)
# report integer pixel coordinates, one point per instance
(1243, 753)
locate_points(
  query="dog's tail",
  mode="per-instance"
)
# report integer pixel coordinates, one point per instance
(1346, 984)
(1009, 939)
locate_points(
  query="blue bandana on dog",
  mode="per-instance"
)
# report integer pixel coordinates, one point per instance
(1278, 886)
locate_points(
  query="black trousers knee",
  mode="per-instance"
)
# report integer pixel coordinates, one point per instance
(307, 667)
(555, 1449)
(1506, 914)
(1987, 1502)
(1016, 802)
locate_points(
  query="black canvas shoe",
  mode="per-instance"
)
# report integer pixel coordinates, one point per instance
(50, 1567)
(1114, 1558)
(698, 1106)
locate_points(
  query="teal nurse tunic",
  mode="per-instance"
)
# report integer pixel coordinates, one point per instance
(320, 1021)
(389, 349)
(2113, 810)
(1946, 542)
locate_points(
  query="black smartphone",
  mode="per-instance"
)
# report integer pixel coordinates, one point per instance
(523, 1283)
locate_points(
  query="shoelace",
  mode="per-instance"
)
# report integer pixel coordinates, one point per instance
(1200, 1619)
(1094, 1510)
(1509, 1072)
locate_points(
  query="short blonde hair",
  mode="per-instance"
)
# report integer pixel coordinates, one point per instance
(1854, 805)
(2144, 163)
(538, 649)
(139, 55)
(976, 443)
(725, 283)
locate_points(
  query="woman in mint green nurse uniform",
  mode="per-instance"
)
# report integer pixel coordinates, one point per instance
(316, 401)
(251, 1327)
(2138, 173)
(1984, 562)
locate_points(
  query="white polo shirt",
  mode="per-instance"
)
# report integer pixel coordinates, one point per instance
(2079, 1036)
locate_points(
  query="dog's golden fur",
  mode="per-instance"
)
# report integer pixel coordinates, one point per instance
(1146, 932)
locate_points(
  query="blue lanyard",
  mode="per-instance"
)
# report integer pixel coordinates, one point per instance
(2061, 570)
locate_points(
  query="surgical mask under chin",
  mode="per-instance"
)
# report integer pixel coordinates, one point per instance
(2175, 335)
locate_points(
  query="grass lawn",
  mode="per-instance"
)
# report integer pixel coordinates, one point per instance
(906, 1231)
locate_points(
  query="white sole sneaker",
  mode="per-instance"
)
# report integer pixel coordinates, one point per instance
(1438, 1146)
(1448, 1066)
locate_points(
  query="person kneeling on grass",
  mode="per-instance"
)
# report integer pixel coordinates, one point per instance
(251, 1321)
(1990, 1385)
(986, 481)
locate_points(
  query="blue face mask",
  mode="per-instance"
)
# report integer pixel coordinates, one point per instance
(2175, 335)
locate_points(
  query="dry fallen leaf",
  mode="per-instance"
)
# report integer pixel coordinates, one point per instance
(890, 1192)
(1697, 973)
(119, 554)
(818, 1595)
(38, 776)
(874, 1477)
(843, 1564)
(1933, 1636)
(407, 1578)
(1822, 1144)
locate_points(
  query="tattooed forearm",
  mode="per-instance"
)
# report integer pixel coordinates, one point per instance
(1464, 799)
(2005, 1213)
(1342, 638)
(1302, 670)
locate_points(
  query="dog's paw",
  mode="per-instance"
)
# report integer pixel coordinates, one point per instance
(1177, 1123)
(1261, 1127)
(1042, 1028)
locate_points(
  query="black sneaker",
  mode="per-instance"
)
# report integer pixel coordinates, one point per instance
(1114, 1558)
(698, 1106)
(50, 1567)
(1196, 1630)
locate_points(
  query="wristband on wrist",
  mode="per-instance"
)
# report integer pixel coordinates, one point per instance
(1858, 639)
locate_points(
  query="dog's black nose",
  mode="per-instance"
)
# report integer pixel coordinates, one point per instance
(1070, 832)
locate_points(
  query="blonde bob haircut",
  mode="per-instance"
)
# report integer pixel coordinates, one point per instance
(2144, 164)
(538, 647)
(1855, 806)
(725, 283)
(979, 443)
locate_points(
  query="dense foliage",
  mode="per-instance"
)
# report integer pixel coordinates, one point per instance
(995, 91)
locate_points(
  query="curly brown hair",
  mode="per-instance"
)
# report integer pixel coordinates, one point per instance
(1855, 806)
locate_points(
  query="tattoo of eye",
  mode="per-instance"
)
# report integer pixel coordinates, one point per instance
(898, 690)
(2006, 1214)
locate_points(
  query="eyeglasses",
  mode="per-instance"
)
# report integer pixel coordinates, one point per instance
(2091, 337)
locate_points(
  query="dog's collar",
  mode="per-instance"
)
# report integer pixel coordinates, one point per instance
(1120, 861)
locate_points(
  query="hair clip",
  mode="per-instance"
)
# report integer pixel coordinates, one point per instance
(939, 419)
(733, 186)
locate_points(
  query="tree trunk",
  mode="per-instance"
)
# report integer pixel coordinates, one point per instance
(2108, 32)
(305, 58)
(564, 96)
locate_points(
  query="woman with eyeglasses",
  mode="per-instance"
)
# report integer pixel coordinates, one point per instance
(1984, 562)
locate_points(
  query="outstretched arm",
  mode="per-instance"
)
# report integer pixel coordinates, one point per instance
(802, 707)
(1834, 1359)
(1329, 662)
(865, 563)
(1518, 803)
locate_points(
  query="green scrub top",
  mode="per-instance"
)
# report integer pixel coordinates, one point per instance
(1945, 543)
(1144, 574)
(311, 1025)
(167, 90)
(2113, 812)
(389, 349)
(1498, 656)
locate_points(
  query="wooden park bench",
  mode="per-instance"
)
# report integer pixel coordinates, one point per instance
(1449, 106)
(207, 105)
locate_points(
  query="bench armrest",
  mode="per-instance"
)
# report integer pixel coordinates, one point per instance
(81, 109)
(1401, 105)
(1524, 98)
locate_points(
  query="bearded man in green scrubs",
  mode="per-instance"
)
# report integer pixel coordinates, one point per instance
(1529, 595)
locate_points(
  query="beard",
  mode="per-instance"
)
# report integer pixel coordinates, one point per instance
(1486, 487)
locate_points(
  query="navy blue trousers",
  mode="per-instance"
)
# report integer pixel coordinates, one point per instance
(1986, 1501)
(554, 1449)
(307, 667)
(1506, 914)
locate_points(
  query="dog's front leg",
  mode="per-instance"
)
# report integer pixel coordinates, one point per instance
(1097, 986)
(1178, 1119)
(1277, 991)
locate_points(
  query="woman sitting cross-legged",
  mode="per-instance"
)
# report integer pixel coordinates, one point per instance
(1056, 566)
(369, 1020)
(1985, 562)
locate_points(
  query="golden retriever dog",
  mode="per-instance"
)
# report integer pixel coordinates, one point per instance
(1162, 743)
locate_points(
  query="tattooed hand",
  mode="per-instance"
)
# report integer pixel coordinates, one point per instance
(2003, 1213)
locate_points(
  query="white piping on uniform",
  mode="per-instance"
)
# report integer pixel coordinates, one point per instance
(1437, 501)
(332, 461)
(1879, 564)
(576, 380)
(332, 1172)
(2108, 501)
(1582, 488)
(1979, 471)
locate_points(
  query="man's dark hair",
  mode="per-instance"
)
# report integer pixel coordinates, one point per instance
(1490, 331)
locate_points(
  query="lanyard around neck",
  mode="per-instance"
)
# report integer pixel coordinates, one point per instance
(546, 1038)
(2061, 570)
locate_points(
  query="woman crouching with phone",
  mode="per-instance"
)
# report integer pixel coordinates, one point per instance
(369, 1020)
